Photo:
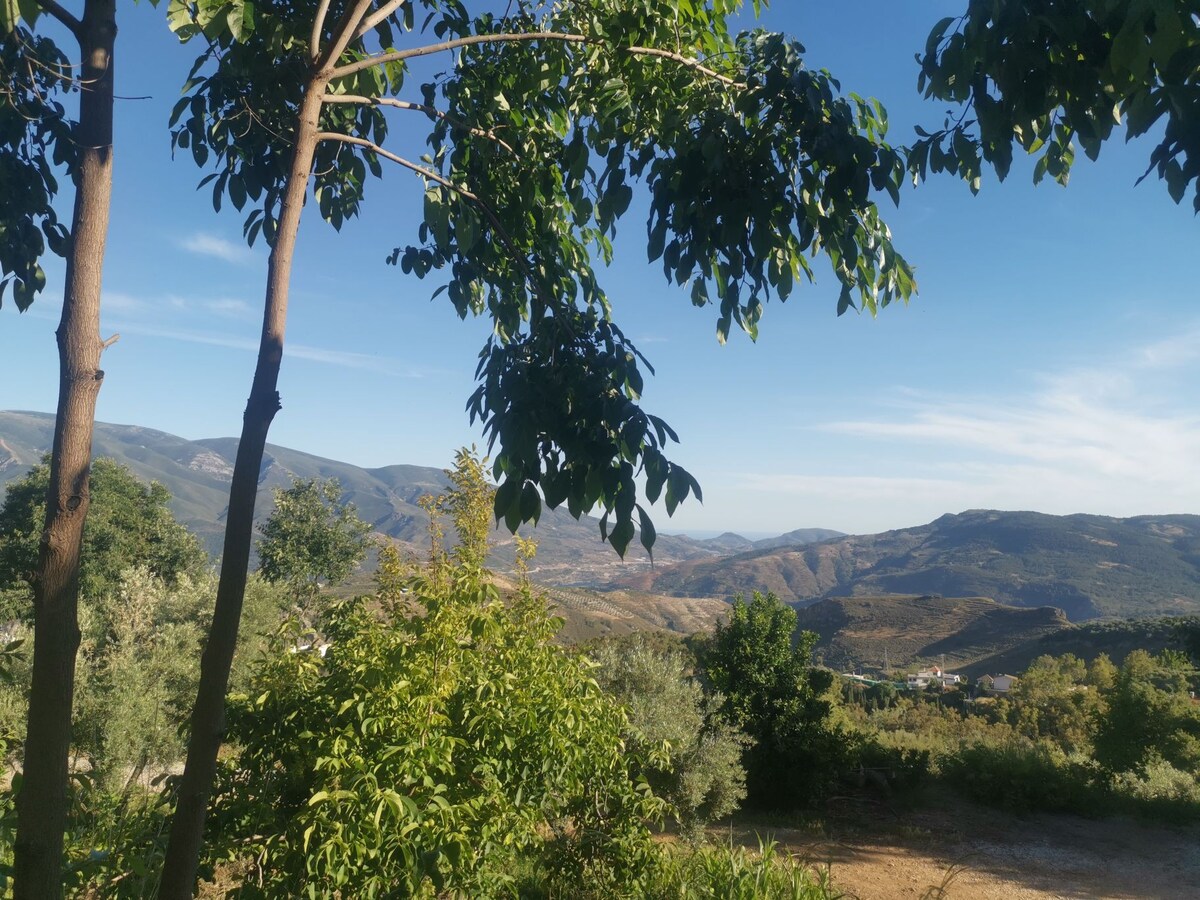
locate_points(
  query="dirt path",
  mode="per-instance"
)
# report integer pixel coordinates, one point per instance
(979, 854)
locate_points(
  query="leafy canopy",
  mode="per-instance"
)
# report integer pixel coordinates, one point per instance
(311, 538)
(35, 139)
(1049, 75)
(129, 524)
(537, 125)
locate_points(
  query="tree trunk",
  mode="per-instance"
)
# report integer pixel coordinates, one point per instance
(208, 714)
(42, 802)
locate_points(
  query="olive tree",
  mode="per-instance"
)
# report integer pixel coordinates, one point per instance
(703, 778)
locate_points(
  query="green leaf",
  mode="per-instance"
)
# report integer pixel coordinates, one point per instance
(649, 535)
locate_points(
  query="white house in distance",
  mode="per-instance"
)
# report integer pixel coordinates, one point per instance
(923, 679)
(999, 684)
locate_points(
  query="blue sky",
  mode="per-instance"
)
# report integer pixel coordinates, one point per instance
(1047, 364)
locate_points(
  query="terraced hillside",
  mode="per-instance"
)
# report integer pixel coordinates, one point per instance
(910, 631)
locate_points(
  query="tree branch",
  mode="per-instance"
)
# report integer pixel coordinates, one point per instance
(399, 160)
(686, 61)
(506, 239)
(561, 36)
(314, 42)
(53, 9)
(376, 17)
(430, 49)
(417, 107)
(343, 33)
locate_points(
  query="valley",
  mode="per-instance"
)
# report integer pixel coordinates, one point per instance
(983, 590)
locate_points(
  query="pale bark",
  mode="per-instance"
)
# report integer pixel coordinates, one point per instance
(43, 802)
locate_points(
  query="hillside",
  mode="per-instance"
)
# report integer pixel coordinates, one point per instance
(910, 631)
(197, 473)
(591, 614)
(1088, 640)
(1088, 566)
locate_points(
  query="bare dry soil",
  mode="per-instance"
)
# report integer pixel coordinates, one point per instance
(964, 852)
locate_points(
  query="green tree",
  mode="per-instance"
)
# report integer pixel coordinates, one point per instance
(536, 127)
(1047, 76)
(1101, 673)
(36, 73)
(1150, 716)
(1053, 700)
(703, 779)
(764, 670)
(311, 539)
(130, 524)
(429, 749)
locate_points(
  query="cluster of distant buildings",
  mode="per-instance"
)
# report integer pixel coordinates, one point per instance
(935, 675)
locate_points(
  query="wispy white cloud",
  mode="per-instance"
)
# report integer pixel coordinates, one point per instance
(230, 308)
(1176, 350)
(205, 244)
(344, 359)
(116, 301)
(1122, 438)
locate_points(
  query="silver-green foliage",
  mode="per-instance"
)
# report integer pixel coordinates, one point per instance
(704, 779)
(137, 670)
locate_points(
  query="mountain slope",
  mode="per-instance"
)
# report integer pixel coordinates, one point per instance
(1088, 566)
(904, 632)
(198, 473)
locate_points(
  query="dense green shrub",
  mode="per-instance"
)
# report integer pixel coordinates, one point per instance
(700, 872)
(129, 524)
(1160, 791)
(704, 779)
(734, 873)
(430, 753)
(1149, 716)
(1021, 776)
(764, 670)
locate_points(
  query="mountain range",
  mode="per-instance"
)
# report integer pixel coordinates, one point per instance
(197, 473)
(1088, 566)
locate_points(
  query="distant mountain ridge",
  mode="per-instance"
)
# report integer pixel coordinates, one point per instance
(198, 473)
(1088, 566)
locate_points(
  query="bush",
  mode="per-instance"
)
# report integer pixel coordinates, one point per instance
(1022, 777)
(763, 669)
(1160, 792)
(704, 779)
(734, 873)
(429, 753)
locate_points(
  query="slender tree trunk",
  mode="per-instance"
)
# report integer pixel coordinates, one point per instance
(42, 802)
(208, 715)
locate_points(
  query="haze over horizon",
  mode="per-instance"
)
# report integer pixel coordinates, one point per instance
(1046, 364)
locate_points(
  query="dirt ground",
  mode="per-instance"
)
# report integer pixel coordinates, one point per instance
(959, 851)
